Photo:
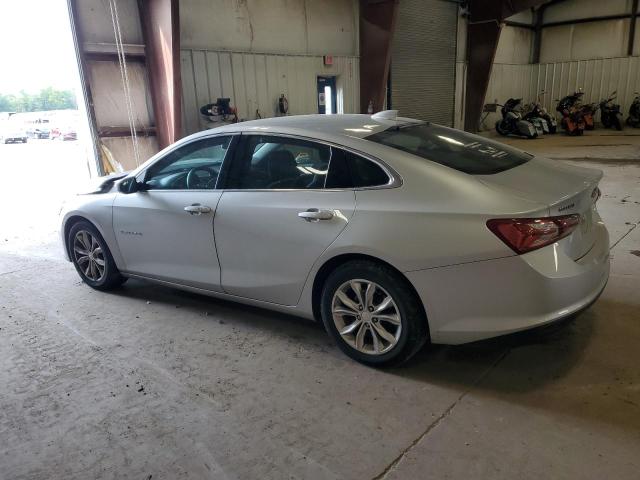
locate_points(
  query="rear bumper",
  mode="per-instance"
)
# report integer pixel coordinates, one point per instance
(480, 300)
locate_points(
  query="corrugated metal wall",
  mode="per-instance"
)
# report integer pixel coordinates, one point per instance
(597, 77)
(254, 81)
(423, 60)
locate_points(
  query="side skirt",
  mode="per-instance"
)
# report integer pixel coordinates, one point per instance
(288, 309)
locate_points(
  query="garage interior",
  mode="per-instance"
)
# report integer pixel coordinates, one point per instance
(149, 382)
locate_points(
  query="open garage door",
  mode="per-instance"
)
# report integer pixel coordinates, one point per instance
(423, 60)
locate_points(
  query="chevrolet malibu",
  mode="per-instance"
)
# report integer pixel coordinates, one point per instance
(391, 231)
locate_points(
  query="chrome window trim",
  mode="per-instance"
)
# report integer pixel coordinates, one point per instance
(395, 180)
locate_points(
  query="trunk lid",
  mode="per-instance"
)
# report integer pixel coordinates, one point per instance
(565, 189)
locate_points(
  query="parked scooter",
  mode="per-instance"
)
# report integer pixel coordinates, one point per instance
(589, 113)
(572, 121)
(538, 112)
(610, 114)
(633, 120)
(512, 121)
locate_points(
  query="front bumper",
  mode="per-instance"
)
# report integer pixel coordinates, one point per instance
(479, 300)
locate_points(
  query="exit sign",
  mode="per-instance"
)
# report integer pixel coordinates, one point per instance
(328, 59)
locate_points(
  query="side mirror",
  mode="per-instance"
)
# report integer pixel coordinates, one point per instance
(132, 185)
(140, 186)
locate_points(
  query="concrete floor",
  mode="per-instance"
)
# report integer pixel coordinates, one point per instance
(147, 382)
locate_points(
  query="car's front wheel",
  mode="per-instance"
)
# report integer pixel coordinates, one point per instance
(92, 258)
(373, 314)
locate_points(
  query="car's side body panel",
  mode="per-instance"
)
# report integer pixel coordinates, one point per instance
(266, 249)
(98, 210)
(158, 238)
(479, 300)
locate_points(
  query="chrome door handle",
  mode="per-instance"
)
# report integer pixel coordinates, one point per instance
(313, 215)
(197, 209)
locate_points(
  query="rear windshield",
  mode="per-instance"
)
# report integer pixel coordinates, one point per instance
(460, 150)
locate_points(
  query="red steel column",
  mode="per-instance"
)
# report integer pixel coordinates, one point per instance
(483, 33)
(377, 24)
(161, 31)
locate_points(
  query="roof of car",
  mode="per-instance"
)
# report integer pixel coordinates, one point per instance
(349, 125)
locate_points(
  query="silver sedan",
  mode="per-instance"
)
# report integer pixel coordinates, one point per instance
(392, 231)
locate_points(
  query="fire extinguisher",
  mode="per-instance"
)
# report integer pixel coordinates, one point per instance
(283, 105)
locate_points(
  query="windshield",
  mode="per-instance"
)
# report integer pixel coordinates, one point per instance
(456, 149)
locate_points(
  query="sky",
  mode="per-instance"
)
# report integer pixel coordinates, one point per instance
(36, 46)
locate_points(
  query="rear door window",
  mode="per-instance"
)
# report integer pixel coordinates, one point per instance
(279, 163)
(456, 149)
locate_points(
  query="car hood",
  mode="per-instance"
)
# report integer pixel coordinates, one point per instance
(101, 184)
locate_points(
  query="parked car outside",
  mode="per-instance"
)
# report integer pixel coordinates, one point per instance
(10, 133)
(391, 231)
(63, 133)
(39, 132)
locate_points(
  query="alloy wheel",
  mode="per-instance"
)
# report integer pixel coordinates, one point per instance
(366, 317)
(89, 256)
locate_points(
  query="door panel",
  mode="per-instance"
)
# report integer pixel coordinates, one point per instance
(266, 249)
(158, 238)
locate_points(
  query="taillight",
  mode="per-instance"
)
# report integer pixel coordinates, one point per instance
(523, 235)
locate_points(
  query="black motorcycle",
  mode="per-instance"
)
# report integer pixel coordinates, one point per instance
(512, 121)
(538, 114)
(633, 120)
(610, 114)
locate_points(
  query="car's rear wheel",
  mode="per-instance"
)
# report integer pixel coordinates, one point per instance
(92, 258)
(373, 314)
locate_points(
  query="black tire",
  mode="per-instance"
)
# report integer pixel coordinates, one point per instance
(414, 331)
(501, 129)
(617, 123)
(111, 277)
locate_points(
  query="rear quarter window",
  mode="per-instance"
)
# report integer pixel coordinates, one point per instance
(456, 149)
(348, 170)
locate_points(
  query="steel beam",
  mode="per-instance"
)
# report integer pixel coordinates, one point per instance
(575, 21)
(632, 27)
(78, 42)
(483, 32)
(537, 35)
(482, 42)
(510, 23)
(161, 32)
(377, 24)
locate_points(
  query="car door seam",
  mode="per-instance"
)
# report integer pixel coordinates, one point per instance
(215, 243)
(313, 266)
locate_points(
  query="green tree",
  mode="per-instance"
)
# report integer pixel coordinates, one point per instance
(47, 99)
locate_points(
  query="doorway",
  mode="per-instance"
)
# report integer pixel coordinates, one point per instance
(327, 96)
